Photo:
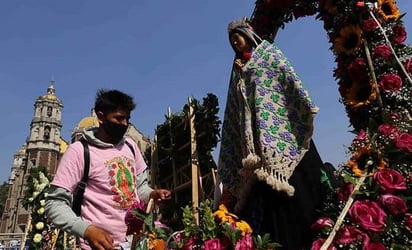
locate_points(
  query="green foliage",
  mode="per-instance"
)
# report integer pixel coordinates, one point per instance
(173, 146)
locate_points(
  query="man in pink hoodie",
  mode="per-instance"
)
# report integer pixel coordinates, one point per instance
(117, 177)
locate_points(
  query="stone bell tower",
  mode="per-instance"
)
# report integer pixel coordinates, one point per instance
(43, 147)
(43, 144)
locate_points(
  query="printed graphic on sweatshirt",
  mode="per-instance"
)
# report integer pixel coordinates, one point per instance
(122, 181)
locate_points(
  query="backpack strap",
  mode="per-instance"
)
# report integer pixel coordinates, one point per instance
(131, 147)
(77, 202)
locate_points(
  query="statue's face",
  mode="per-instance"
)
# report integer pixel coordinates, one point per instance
(240, 43)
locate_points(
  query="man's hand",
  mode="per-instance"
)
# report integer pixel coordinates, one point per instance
(160, 194)
(98, 239)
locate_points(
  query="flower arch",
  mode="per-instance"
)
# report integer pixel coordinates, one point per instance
(373, 71)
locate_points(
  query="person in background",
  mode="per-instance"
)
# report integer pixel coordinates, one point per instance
(117, 178)
(269, 168)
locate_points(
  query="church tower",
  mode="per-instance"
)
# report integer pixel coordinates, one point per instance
(43, 147)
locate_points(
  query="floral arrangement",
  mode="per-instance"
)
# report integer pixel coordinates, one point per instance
(373, 208)
(42, 234)
(213, 231)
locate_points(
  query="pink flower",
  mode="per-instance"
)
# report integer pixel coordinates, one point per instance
(189, 244)
(390, 180)
(345, 191)
(317, 244)
(404, 142)
(390, 83)
(399, 34)
(133, 222)
(394, 204)
(213, 244)
(374, 246)
(408, 221)
(388, 130)
(362, 136)
(347, 235)
(245, 243)
(382, 51)
(368, 215)
(357, 69)
(408, 65)
(369, 25)
(321, 223)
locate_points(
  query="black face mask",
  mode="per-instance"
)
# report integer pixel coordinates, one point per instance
(114, 130)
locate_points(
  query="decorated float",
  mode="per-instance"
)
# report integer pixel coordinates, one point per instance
(373, 207)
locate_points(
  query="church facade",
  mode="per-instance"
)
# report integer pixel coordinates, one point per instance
(44, 147)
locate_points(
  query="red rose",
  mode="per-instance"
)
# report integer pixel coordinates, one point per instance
(399, 34)
(212, 244)
(347, 235)
(390, 131)
(408, 221)
(382, 51)
(245, 243)
(368, 214)
(317, 244)
(321, 223)
(190, 244)
(390, 180)
(408, 66)
(394, 204)
(369, 25)
(390, 83)
(404, 142)
(357, 69)
(345, 191)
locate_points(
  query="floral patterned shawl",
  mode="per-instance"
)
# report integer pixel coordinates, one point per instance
(268, 124)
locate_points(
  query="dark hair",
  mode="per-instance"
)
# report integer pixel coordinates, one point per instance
(110, 100)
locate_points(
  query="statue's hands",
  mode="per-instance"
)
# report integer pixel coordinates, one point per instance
(238, 63)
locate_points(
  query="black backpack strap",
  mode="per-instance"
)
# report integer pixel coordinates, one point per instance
(131, 147)
(77, 202)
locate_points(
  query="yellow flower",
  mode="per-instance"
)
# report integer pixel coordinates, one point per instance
(157, 244)
(359, 160)
(42, 202)
(39, 225)
(244, 227)
(37, 238)
(388, 10)
(349, 40)
(360, 94)
(223, 214)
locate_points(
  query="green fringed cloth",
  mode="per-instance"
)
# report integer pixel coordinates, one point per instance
(268, 124)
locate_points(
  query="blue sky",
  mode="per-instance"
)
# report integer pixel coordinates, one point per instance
(161, 52)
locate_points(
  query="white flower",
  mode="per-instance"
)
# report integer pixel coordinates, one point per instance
(35, 194)
(37, 238)
(31, 199)
(42, 202)
(39, 225)
(43, 179)
(40, 211)
(45, 195)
